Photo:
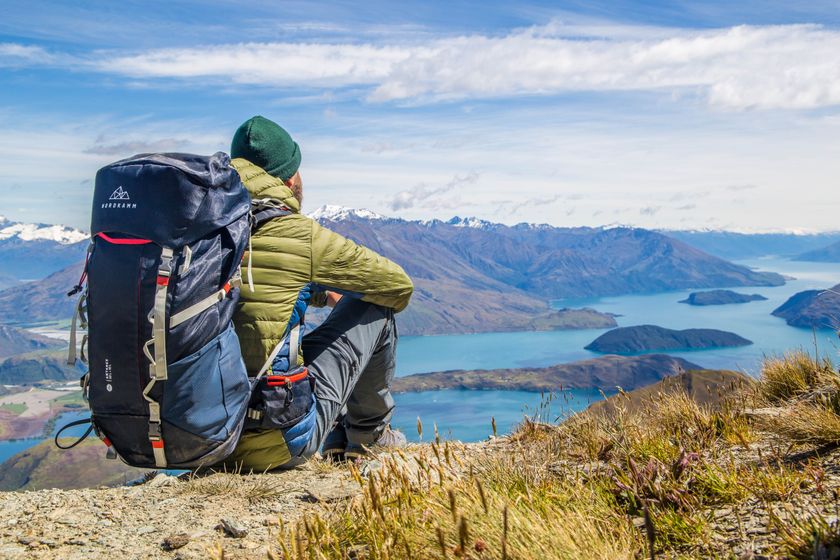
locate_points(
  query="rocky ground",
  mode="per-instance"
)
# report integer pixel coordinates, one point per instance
(166, 517)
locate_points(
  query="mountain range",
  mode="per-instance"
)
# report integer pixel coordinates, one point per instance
(734, 245)
(33, 251)
(830, 253)
(472, 275)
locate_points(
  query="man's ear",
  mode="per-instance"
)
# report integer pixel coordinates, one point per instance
(290, 182)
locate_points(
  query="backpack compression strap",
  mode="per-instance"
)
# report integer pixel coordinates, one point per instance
(157, 368)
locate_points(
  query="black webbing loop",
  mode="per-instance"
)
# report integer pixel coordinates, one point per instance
(71, 425)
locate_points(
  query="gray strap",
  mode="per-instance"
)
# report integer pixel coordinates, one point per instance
(80, 315)
(267, 365)
(155, 434)
(294, 345)
(203, 305)
(294, 342)
(159, 317)
(157, 368)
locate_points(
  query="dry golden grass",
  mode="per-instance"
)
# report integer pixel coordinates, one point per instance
(793, 376)
(623, 485)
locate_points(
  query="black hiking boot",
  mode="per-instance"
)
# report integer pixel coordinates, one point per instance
(335, 444)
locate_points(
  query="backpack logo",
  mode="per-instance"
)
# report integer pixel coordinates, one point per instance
(119, 194)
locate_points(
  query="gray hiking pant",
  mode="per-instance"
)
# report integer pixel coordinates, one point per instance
(352, 356)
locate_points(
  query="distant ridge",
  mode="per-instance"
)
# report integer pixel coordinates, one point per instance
(605, 373)
(825, 254)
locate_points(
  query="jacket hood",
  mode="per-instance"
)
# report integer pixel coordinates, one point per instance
(260, 184)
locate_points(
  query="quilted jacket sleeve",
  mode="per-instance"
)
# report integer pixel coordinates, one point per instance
(341, 265)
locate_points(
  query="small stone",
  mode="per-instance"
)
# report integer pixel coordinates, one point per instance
(723, 512)
(162, 479)
(49, 542)
(106, 522)
(330, 494)
(145, 530)
(271, 522)
(27, 540)
(174, 542)
(370, 467)
(232, 528)
(639, 522)
(77, 542)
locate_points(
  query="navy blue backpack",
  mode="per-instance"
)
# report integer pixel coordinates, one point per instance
(166, 385)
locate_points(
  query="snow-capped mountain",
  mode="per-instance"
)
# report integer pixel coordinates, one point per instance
(33, 251)
(31, 232)
(335, 213)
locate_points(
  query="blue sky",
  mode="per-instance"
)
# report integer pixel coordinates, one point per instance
(657, 114)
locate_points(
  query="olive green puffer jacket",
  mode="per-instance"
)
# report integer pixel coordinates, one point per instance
(292, 251)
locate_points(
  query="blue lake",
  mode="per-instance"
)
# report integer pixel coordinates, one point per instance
(466, 414)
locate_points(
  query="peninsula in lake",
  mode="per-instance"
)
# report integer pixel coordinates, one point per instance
(720, 297)
(651, 338)
(817, 309)
(605, 373)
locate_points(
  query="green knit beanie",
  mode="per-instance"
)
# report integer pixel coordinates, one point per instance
(265, 143)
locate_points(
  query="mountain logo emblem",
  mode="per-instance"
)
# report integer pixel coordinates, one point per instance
(119, 194)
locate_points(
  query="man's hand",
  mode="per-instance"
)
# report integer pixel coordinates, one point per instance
(332, 298)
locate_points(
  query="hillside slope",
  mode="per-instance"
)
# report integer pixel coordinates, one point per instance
(812, 309)
(18, 341)
(32, 368)
(670, 478)
(46, 466)
(41, 301)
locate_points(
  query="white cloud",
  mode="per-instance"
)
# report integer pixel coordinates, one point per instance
(429, 196)
(785, 66)
(13, 54)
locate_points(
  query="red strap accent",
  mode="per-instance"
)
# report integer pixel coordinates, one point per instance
(157, 444)
(163, 280)
(275, 380)
(106, 441)
(124, 241)
(227, 288)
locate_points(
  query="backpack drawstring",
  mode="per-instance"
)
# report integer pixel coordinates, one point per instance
(250, 276)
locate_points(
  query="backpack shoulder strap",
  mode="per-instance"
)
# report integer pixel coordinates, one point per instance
(265, 209)
(262, 210)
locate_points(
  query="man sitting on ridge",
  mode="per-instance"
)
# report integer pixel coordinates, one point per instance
(294, 262)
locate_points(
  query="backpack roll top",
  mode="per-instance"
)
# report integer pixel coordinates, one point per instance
(167, 385)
